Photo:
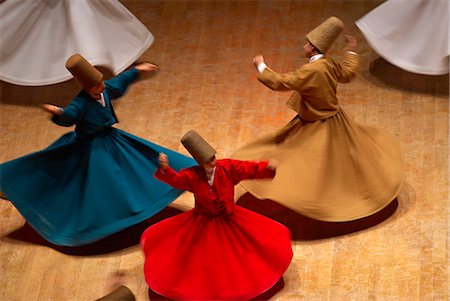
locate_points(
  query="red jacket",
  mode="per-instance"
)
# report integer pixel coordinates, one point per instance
(219, 198)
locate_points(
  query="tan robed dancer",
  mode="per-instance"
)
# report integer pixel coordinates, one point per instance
(330, 168)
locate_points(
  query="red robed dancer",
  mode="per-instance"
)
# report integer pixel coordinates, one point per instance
(217, 250)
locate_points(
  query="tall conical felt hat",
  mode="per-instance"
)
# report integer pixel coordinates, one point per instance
(198, 147)
(86, 74)
(323, 36)
(121, 293)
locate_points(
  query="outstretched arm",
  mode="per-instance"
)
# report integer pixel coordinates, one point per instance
(351, 43)
(242, 170)
(180, 180)
(52, 109)
(146, 67)
(278, 81)
(346, 70)
(119, 84)
(63, 117)
(259, 63)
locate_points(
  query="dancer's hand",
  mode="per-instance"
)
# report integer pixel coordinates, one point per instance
(351, 43)
(146, 67)
(163, 161)
(273, 164)
(52, 109)
(259, 59)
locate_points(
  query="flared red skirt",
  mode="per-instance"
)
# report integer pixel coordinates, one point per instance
(199, 257)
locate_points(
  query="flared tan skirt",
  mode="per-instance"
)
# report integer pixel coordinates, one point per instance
(331, 170)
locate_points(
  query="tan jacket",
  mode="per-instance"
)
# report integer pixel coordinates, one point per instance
(314, 85)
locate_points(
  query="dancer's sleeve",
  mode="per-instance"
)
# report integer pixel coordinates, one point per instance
(242, 170)
(117, 86)
(346, 70)
(70, 114)
(181, 180)
(286, 81)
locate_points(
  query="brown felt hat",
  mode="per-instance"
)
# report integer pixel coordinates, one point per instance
(323, 36)
(121, 293)
(86, 74)
(198, 147)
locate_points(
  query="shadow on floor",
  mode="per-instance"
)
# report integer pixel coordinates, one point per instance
(389, 75)
(301, 227)
(263, 297)
(113, 243)
(305, 228)
(58, 94)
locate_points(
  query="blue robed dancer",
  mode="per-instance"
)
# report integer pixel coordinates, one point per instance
(94, 181)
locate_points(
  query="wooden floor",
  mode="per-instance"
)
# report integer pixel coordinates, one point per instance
(207, 82)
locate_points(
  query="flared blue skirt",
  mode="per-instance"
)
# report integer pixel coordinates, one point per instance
(78, 191)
